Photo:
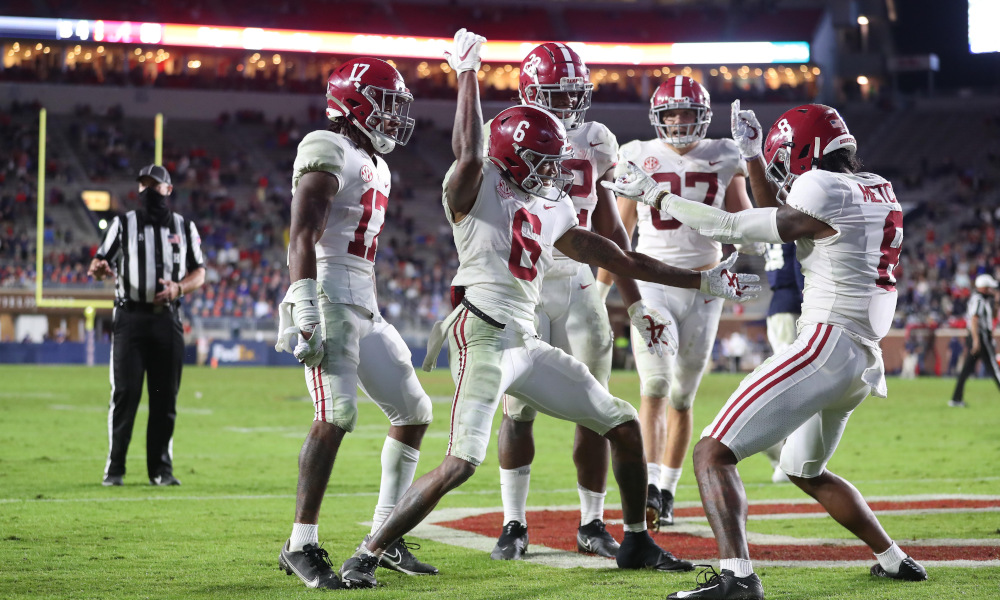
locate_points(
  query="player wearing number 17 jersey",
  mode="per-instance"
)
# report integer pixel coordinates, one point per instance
(507, 212)
(704, 170)
(341, 187)
(848, 230)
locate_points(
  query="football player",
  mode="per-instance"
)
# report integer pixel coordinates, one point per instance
(330, 318)
(508, 211)
(848, 229)
(571, 315)
(704, 170)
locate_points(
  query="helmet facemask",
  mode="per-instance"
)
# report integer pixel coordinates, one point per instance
(389, 122)
(558, 178)
(778, 172)
(540, 94)
(681, 135)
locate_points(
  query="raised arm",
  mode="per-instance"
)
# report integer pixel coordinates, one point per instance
(749, 136)
(467, 135)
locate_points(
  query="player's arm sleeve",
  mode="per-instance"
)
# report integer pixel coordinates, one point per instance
(819, 196)
(319, 151)
(111, 245)
(751, 225)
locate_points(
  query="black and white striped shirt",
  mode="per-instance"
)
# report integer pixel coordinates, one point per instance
(143, 253)
(981, 306)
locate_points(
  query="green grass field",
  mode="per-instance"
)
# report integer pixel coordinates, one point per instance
(63, 535)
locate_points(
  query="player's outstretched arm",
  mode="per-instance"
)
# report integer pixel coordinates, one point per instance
(588, 247)
(749, 137)
(467, 135)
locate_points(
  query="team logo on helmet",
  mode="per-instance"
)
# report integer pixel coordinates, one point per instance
(366, 174)
(650, 164)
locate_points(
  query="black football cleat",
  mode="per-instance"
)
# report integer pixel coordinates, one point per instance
(359, 570)
(593, 538)
(167, 479)
(723, 586)
(639, 551)
(666, 509)
(654, 504)
(312, 565)
(513, 542)
(398, 557)
(909, 570)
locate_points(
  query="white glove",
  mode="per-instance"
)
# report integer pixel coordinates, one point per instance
(637, 186)
(746, 131)
(464, 53)
(723, 283)
(653, 328)
(752, 248)
(298, 314)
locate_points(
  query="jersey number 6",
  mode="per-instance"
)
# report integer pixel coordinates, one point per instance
(519, 244)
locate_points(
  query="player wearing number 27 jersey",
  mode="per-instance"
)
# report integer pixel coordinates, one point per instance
(703, 170)
(847, 227)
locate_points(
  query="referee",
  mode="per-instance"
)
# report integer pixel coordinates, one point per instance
(980, 339)
(157, 259)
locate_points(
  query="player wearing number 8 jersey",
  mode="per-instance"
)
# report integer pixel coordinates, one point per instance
(847, 227)
(341, 188)
(703, 170)
(571, 314)
(507, 213)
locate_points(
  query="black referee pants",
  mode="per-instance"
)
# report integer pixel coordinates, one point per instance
(987, 353)
(145, 343)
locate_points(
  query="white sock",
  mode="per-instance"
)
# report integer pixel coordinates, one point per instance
(636, 527)
(891, 559)
(653, 473)
(591, 505)
(741, 567)
(514, 494)
(669, 478)
(302, 534)
(399, 464)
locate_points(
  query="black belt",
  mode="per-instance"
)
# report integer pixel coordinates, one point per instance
(489, 320)
(145, 307)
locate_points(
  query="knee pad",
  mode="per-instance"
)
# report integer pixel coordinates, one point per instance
(518, 410)
(342, 414)
(421, 413)
(682, 399)
(656, 386)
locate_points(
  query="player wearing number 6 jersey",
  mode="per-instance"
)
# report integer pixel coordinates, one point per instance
(848, 230)
(703, 170)
(341, 187)
(507, 213)
(571, 315)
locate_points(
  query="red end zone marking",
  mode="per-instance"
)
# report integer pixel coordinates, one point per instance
(555, 529)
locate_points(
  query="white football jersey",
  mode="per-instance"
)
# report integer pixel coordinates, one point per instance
(701, 175)
(345, 254)
(848, 276)
(505, 245)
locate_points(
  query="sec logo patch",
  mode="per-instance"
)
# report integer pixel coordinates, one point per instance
(504, 190)
(650, 164)
(366, 174)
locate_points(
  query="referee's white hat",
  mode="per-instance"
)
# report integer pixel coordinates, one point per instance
(986, 281)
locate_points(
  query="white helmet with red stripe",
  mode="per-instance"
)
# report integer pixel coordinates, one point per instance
(681, 92)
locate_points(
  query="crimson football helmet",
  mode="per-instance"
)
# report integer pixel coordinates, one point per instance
(555, 68)
(370, 93)
(681, 92)
(799, 139)
(529, 145)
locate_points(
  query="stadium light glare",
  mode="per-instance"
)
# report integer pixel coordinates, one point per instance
(862, 80)
(862, 20)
